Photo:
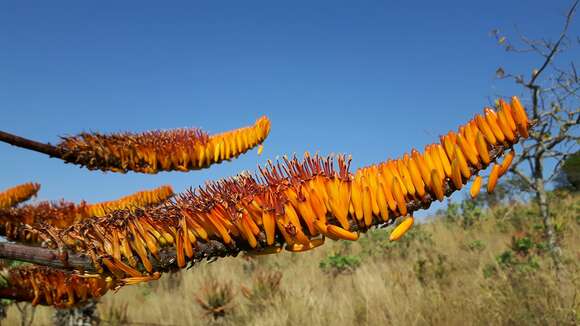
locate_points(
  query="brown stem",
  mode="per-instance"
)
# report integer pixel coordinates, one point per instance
(18, 141)
(12, 294)
(46, 257)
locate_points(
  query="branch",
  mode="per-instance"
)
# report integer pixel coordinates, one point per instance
(556, 46)
(22, 142)
(524, 177)
(46, 257)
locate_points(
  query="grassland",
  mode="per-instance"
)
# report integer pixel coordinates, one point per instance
(476, 266)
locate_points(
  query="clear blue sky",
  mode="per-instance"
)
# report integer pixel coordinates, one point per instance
(369, 78)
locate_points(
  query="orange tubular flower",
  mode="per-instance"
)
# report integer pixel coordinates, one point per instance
(290, 204)
(402, 228)
(15, 195)
(155, 151)
(46, 286)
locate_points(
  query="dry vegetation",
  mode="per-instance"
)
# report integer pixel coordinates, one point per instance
(492, 270)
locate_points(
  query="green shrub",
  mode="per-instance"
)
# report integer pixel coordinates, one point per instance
(489, 270)
(337, 263)
(476, 245)
(522, 245)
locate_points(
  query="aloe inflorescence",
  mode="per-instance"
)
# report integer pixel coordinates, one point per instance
(47, 286)
(18, 194)
(18, 223)
(155, 151)
(151, 151)
(293, 204)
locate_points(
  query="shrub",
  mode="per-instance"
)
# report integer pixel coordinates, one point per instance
(476, 245)
(337, 263)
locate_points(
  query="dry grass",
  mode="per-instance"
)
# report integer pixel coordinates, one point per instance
(440, 273)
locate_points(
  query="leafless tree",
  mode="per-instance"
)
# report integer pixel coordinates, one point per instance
(553, 105)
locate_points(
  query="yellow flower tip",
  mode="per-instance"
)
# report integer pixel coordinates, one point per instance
(402, 228)
(139, 199)
(507, 161)
(482, 149)
(260, 149)
(491, 119)
(520, 116)
(475, 187)
(493, 177)
(15, 195)
(340, 233)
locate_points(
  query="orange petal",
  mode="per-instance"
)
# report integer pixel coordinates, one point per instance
(462, 163)
(382, 202)
(493, 176)
(466, 149)
(248, 232)
(308, 216)
(520, 117)
(507, 161)
(396, 175)
(482, 148)
(340, 233)
(269, 226)
(416, 177)
(399, 197)
(317, 204)
(404, 172)
(356, 197)
(456, 176)
(433, 153)
(402, 228)
(444, 160)
(504, 126)
(367, 206)
(437, 185)
(422, 165)
(448, 143)
(485, 129)
(475, 187)
(491, 119)
(386, 182)
(507, 112)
